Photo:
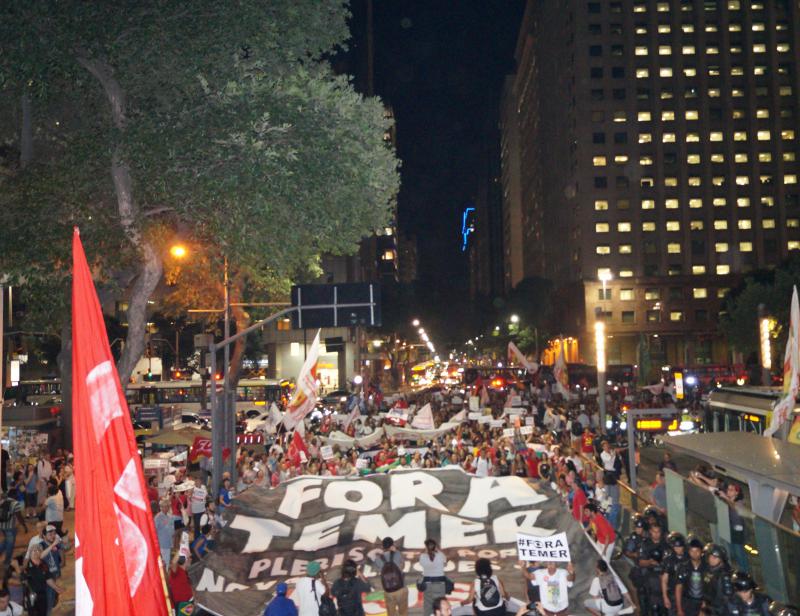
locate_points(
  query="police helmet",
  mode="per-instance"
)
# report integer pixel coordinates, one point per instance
(742, 581)
(656, 553)
(651, 512)
(694, 542)
(639, 521)
(676, 540)
(712, 549)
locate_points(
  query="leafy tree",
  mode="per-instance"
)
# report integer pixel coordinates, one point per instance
(218, 121)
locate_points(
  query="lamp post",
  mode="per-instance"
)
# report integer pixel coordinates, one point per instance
(600, 347)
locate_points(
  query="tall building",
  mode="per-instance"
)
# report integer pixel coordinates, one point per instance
(658, 152)
(510, 184)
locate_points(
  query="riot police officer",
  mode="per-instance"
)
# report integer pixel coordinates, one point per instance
(631, 548)
(670, 566)
(652, 515)
(746, 601)
(689, 586)
(651, 556)
(717, 579)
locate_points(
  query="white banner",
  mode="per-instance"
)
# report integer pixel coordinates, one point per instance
(305, 396)
(427, 435)
(474, 403)
(423, 420)
(554, 548)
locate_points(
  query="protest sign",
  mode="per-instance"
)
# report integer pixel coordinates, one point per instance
(474, 403)
(529, 421)
(326, 452)
(554, 548)
(526, 430)
(509, 432)
(497, 423)
(473, 416)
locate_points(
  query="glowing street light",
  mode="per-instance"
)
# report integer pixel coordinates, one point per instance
(515, 318)
(600, 347)
(415, 323)
(178, 251)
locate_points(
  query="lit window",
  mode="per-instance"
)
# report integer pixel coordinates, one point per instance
(687, 50)
(737, 71)
(645, 137)
(715, 136)
(673, 225)
(671, 204)
(734, 28)
(695, 203)
(620, 159)
(644, 116)
(676, 315)
(738, 114)
(690, 71)
(787, 134)
(758, 26)
(664, 29)
(790, 179)
(737, 93)
(717, 158)
(722, 292)
(785, 90)
(740, 135)
(693, 159)
(603, 249)
(720, 225)
(712, 50)
(673, 248)
(767, 201)
(601, 205)
(698, 269)
(745, 223)
(668, 138)
(734, 5)
(789, 157)
(762, 113)
(692, 137)
(763, 135)
(602, 227)
(670, 181)
(692, 114)
(740, 157)
(742, 180)
(742, 201)
(639, 8)
(793, 223)
(721, 246)
(664, 50)
(718, 180)
(745, 246)
(619, 116)
(641, 51)
(624, 227)
(626, 273)
(783, 47)
(662, 7)
(665, 71)
(599, 161)
(687, 28)
(759, 69)
(695, 181)
(652, 294)
(793, 245)
(699, 292)
(714, 93)
(648, 226)
(759, 48)
(627, 295)
(768, 223)
(667, 116)
(646, 181)
(648, 204)
(645, 160)
(696, 225)
(723, 270)
(625, 249)
(718, 202)
(642, 73)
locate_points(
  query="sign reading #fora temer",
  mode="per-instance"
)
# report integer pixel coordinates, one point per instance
(554, 548)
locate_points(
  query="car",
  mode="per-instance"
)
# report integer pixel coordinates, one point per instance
(193, 419)
(335, 398)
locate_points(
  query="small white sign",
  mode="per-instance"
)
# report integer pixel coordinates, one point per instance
(497, 423)
(509, 432)
(475, 416)
(529, 421)
(516, 401)
(526, 430)
(326, 452)
(485, 419)
(554, 548)
(474, 403)
(151, 463)
(362, 463)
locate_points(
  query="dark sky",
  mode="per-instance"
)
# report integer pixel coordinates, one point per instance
(440, 64)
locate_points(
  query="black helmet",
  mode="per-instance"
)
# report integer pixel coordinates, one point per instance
(544, 470)
(656, 553)
(694, 542)
(742, 581)
(712, 549)
(676, 540)
(651, 512)
(639, 521)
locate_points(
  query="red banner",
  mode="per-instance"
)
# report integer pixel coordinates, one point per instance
(116, 553)
(297, 452)
(201, 448)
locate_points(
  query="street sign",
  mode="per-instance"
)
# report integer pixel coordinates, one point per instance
(336, 305)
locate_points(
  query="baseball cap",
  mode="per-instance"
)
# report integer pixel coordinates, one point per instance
(281, 588)
(313, 568)
(49, 528)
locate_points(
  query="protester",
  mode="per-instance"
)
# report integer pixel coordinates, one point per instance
(608, 596)
(39, 579)
(602, 530)
(441, 607)
(54, 508)
(31, 491)
(347, 590)
(487, 594)
(659, 492)
(180, 588)
(281, 605)
(734, 498)
(202, 542)
(197, 503)
(7, 606)
(389, 566)
(309, 590)
(165, 530)
(433, 562)
(554, 584)
(10, 515)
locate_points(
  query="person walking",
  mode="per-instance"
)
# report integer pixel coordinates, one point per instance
(608, 596)
(281, 605)
(165, 530)
(433, 562)
(10, 514)
(347, 590)
(54, 508)
(309, 590)
(389, 566)
(487, 594)
(31, 491)
(197, 504)
(7, 606)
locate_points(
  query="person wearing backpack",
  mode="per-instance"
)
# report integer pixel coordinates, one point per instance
(348, 590)
(389, 566)
(487, 595)
(608, 596)
(10, 514)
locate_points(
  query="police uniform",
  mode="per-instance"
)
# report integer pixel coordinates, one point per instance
(631, 548)
(651, 600)
(758, 607)
(670, 566)
(717, 587)
(691, 579)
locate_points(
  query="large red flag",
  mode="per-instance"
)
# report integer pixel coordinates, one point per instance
(297, 452)
(116, 554)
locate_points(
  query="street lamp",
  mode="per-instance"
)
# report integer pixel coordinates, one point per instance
(515, 318)
(764, 329)
(178, 251)
(600, 347)
(415, 323)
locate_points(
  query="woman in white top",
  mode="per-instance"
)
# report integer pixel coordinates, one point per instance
(487, 593)
(433, 562)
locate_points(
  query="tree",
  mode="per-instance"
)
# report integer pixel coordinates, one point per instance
(218, 120)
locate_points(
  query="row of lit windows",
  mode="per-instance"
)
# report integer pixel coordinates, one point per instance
(654, 294)
(694, 203)
(654, 316)
(673, 248)
(715, 113)
(722, 269)
(688, 28)
(714, 70)
(693, 158)
(716, 136)
(695, 181)
(598, 94)
(690, 50)
(687, 6)
(695, 225)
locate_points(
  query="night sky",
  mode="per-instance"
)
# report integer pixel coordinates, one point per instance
(440, 65)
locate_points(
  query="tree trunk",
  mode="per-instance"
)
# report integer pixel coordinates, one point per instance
(26, 133)
(242, 321)
(65, 371)
(151, 267)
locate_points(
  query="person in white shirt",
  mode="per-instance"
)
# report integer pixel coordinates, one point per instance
(7, 606)
(554, 585)
(483, 465)
(197, 503)
(608, 580)
(608, 456)
(309, 589)
(433, 562)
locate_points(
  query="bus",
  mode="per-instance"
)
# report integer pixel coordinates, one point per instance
(186, 396)
(741, 409)
(41, 392)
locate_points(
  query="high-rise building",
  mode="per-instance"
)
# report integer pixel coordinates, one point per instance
(510, 184)
(658, 161)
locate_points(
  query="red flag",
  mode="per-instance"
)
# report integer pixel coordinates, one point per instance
(297, 451)
(116, 553)
(201, 448)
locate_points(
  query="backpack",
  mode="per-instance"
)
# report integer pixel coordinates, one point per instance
(610, 590)
(577, 428)
(391, 576)
(6, 511)
(489, 593)
(325, 604)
